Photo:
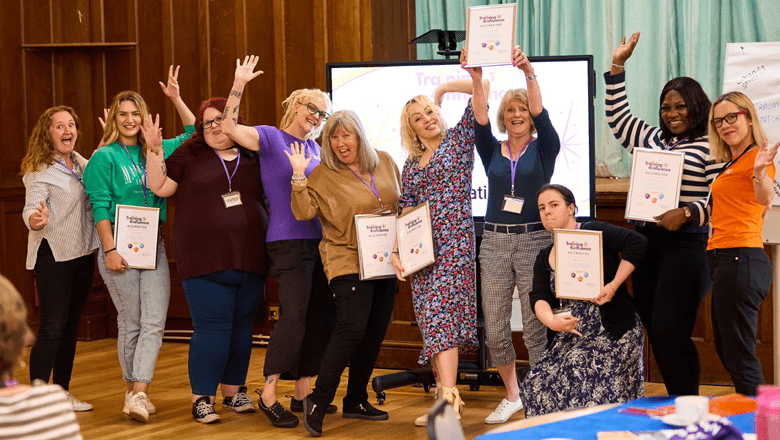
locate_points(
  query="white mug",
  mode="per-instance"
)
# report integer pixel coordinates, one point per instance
(691, 409)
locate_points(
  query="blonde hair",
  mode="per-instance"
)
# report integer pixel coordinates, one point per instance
(14, 332)
(111, 132)
(719, 150)
(519, 94)
(303, 96)
(348, 120)
(409, 139)
(40, 147)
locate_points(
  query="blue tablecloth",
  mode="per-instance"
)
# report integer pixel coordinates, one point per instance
(587, 427)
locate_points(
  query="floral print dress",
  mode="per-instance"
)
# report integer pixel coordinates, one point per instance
(444, 293)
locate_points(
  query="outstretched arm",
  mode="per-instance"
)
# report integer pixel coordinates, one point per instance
(243, 135)
(171, 90)
(469, 86)
(623, 53)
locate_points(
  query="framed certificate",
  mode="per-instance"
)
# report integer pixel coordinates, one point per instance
(655, 183)
(415, 239)
(490, 34)
(375, 240)
(579, 266)
(135, 235)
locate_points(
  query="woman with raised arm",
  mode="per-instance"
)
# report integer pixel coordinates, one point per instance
(740, 269)
(117, 174)
(353, 178)
(61, 243)
(672, 283)
(219, 210)
(594, 352)
(513, 233)
(306, 305)
(438, 170)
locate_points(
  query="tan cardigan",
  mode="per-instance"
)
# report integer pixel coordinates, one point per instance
(337, 196)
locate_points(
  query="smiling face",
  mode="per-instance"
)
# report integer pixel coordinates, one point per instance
(128, 121)
(213, 135)
(674, 113)
(63, 133)
(517, 118)
(306, 121)
(737, 135)
(554, 211)
(424, 121)
(345, 146)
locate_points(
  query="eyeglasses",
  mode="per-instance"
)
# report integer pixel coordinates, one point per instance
(216, 121)
(323, 115)
(730, 118)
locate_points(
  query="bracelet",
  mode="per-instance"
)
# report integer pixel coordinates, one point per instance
(395, 251)
(298, 177)
(106, 252)
(759, 181)
(619, 66)
(530, 78)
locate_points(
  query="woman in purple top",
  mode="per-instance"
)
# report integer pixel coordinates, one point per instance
(306, 306)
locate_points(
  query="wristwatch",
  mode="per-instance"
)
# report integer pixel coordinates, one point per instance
(687, 211)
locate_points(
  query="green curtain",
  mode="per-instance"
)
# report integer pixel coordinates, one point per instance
(679, 38)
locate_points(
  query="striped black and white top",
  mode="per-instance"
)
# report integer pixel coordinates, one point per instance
(632, 132)
(71, 229)
(42, 412)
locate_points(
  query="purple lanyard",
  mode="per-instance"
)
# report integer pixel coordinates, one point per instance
(514, 162)
(143, 172)
(72, 172)
(229, 176)
(372, 187)
(671, 147)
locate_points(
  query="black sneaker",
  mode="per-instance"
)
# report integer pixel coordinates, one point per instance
(277, 414)
(313, 415)
(240, 403)
(365, 411)
(203, 410)
(297, 406)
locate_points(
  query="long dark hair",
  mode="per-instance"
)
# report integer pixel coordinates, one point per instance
(697, 103)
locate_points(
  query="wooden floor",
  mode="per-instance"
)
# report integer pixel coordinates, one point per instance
(97, 379)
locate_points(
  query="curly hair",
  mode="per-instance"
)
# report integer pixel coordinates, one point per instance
(111, 132)
(40, 147)
(697, 103)
(303, 96)
(409, 139)
(14, 332)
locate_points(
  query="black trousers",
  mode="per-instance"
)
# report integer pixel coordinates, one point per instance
(669, 288)
(741, 278)
(63, 288)
(306, 312)
(363, 312)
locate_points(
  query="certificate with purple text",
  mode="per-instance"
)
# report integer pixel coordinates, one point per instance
(136, 230)
(415, 239)
(655, 183)
(490, 34)
(579, 266)
(375, 240)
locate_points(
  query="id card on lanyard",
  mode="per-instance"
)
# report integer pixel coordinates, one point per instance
(230, 198)
(511, 202)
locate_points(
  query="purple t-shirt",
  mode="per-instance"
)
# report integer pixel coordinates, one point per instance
(276, 173)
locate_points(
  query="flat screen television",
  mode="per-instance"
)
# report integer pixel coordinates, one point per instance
(377, 92)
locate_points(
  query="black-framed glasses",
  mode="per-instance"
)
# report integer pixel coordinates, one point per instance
(730, 118)
(322, 114)
(216, 121)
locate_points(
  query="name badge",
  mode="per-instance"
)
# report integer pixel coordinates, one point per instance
(512, 204)
(232, 199)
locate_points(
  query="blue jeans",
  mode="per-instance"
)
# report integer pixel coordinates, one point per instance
(141, 300)
(222, 306)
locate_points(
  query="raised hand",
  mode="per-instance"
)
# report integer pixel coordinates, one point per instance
(40, 217)
(521, 61)
(475, 72)
(298, 159)
(624, 50)
(764, 158)
(103, 119)
(171, 90)
(152, 132)
(245, 71)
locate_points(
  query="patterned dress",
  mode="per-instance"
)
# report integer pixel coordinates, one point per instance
(444, 293)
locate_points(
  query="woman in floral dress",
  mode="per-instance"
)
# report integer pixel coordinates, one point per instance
(438, 171)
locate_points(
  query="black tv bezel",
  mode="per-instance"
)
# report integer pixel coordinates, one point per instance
(479, 220)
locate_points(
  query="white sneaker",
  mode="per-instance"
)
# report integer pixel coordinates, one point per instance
(150, 408)
(138, 407)
(77, 404)
(504, 411)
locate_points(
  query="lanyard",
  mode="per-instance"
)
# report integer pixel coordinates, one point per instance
(514, 162)
(722, 170)
(372, 187)
(142, 173)
(671, 147)
(81, 181)
(229, 176)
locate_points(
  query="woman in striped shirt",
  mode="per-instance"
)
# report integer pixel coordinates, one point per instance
(61, 243)
(673, 281)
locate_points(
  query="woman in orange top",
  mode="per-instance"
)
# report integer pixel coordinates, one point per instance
(740, 269)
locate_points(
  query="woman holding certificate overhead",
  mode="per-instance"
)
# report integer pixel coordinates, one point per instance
(594, 349)
(513, 234)
(438, 171)
(116, 175)
(352, 179)
(741, 271)
(671, 285)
